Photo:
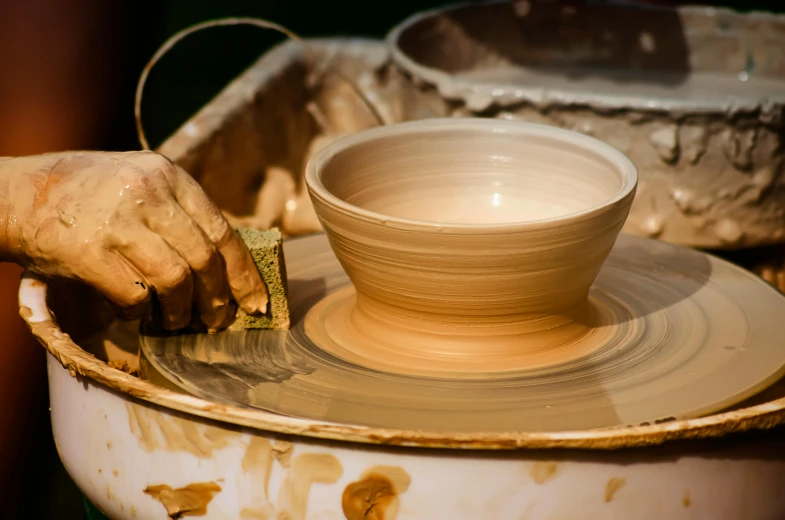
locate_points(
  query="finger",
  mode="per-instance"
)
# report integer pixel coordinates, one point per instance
(244, 279)
(166, 272)
(189, 241)
(119, 282)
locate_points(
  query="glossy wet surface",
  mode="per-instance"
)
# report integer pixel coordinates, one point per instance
(689, 335)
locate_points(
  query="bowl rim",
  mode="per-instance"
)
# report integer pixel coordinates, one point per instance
(618, 160)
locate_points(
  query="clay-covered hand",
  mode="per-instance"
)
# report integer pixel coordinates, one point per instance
(129, 224)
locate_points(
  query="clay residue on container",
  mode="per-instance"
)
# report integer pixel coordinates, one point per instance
(306, 469)
(258, 514)
(613, 486)
(123, 366)
(258, 456)
(155, 430)
(375, 495)
(25, 312)
(541, 472)
(257, 466)
(686, 500)
(282, 450)
(191, 500)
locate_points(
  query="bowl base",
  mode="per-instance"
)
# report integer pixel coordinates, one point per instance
(338, 326)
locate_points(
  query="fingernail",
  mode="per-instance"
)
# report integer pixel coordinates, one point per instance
(255, 304)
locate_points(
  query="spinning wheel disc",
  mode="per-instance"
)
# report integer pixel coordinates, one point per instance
(683, 334)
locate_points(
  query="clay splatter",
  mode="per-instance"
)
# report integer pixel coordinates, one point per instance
(282, 450)
(306, 469)
(542, 472)
(257, 465)
(191, 500)
(156, 430)
(613, 486)
(375, 495)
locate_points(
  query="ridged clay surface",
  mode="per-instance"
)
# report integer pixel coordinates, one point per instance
(468, 234)
(685, 334)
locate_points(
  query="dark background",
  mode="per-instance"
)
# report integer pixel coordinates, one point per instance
(68, 71)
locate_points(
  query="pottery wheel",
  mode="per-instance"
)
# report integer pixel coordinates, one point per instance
(688, 335)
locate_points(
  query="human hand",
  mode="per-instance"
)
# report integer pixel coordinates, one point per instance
(129, 224)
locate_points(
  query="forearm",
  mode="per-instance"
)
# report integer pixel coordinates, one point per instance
(6, 211)
(18, 192)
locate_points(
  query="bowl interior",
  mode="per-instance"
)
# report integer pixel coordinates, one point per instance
(471, 176)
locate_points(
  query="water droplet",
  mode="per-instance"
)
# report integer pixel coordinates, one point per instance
(68, 220)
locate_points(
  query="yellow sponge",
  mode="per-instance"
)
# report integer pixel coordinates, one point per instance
(266, 249)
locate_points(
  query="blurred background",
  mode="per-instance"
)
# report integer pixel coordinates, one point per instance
(68, 70)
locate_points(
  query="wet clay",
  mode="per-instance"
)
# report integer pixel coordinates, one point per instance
(375, 495)
(123, 366)
(515, 221)
(155, 430)
(542, 472)
(667, 350)
(94, 372)
(257, 466)
(613, 486)
(306, 470)
(191, 500)
(118, 344)
(147, 227)
(282, 451)
(344, 329)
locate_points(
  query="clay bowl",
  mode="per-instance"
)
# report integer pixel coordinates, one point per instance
(693, 95)
(471, 229)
